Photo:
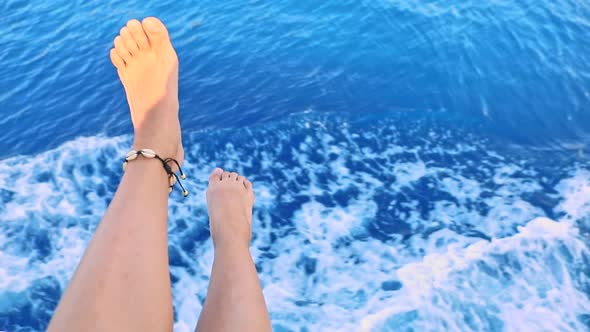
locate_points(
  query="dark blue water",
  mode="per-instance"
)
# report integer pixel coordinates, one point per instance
(419, 165)
(522, 66)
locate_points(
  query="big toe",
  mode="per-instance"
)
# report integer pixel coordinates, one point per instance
(156, 31)
(216, 174)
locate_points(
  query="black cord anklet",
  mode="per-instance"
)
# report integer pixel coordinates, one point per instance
(150, 154)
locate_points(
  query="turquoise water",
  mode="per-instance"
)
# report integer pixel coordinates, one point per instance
(418, 165)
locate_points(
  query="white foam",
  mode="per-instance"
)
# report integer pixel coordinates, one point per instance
(329, 234)
(533, 297)
(576, 191)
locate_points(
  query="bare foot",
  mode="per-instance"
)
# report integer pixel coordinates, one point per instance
(148, 68)
(230, 199)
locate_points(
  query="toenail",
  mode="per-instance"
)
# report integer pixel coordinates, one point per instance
(150, 24)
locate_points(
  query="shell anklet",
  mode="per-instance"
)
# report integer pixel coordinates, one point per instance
(151, 154)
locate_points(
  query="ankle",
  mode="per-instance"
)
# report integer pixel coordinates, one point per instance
(231, 246)
(160, 137)
(163, 149)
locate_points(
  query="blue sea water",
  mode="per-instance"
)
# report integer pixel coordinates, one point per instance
(418, 165)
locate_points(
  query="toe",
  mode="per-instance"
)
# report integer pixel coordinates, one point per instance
(128, 41)
(225, 175)
(155, 30)
(216, 174)
(117, 60)
(250, 190)
(138, 34)
(241, 179)
(121, 49)
(233, 175)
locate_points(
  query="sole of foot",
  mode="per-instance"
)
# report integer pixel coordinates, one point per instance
(147, 65)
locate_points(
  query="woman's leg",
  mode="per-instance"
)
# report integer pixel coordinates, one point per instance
(122, 282)
(235, 301)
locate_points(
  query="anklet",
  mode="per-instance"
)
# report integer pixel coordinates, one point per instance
(150, 154)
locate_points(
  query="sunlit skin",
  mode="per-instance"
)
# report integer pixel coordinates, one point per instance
(122, 282)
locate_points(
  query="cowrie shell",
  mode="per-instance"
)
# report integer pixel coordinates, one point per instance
(148, 153)
(131, 155)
